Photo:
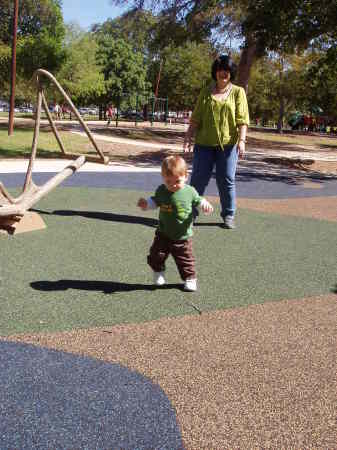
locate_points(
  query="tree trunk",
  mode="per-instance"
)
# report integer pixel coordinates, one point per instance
(281, 115)
(101, 112)
(282, 100)
(247, 59)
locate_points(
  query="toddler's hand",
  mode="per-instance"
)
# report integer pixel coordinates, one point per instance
(142, 203)
(206, 207)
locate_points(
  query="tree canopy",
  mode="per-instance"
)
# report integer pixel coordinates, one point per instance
(264, 25)
(39, 36)
(286, 49)
(80, 73)
(122, 67)
(185, 69)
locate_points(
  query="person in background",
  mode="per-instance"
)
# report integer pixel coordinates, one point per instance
(219, 125)
(57, 111)
(110, 114)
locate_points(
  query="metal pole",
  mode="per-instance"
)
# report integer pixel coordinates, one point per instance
(158, 78)
(13, 72)
(152, 115)
(157, 84)
(118, 109)
(166, 110)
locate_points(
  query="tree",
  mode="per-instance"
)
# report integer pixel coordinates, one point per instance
(320, 79)
(135, 27)
(265, 25)
(80, 74)
(282, 26)
(261, 93)
(40, 34)
(34, 15)
(277, 87)
(123, 69)
(5, 58)
(185, 70)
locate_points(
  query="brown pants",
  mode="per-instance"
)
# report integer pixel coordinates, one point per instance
(181, 251)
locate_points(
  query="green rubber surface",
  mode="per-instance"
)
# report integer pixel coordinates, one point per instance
(88, 267)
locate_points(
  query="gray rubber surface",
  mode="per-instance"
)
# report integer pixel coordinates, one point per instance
(250, 184)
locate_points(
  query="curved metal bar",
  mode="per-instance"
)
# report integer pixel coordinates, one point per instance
(31, 193)
(6, 195)
(40, 72)
(34, 193)
(28, 179)
(53, 126)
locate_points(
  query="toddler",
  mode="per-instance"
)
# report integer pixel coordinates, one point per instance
(175, 201)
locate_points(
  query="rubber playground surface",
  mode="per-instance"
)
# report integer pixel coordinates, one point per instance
(92, 356)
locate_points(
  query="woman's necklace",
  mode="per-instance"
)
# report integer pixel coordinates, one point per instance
(223, 93)
(223, 90)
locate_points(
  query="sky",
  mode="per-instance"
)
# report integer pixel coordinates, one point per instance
(87, 12)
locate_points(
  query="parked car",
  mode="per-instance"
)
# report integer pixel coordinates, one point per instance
(83, 111)
(131, 115)
(26, 109)
(92, 111)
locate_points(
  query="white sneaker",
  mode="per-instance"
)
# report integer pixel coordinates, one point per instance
(158, 278)
(190, 285)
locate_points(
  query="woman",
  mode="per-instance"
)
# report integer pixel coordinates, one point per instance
(219, 123)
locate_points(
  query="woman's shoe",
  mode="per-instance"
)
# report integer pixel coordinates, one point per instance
(229, 222)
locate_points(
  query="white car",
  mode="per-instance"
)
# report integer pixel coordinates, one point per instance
(82, 111)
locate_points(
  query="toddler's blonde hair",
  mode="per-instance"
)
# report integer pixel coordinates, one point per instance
(174, 166)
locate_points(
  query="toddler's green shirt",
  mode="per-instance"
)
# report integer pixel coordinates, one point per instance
(218, 121)
(175, 214)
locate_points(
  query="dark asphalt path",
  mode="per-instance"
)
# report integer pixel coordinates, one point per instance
(55, 400)
(250, 183)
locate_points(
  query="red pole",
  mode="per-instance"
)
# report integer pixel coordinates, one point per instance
(158, 79)
(13, 72)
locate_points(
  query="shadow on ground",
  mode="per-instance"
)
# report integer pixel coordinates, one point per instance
(160, 136)
(289, 146)
(54, 399)
(107, 287)
(124, 218)
(250, 171)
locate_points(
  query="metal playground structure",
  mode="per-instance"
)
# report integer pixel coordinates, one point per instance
(14, 210)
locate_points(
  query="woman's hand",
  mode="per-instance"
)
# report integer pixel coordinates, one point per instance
(206, 207)
(188, 139)
(187, 147)
(241, 148)
(241, 145)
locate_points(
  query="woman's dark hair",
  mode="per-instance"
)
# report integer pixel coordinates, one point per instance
(224, 62)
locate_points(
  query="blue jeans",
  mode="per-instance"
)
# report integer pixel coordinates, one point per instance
(225, 161)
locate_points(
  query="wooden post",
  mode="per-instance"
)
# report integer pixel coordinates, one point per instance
(13, 70)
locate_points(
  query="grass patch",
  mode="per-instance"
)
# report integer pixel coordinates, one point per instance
(20, 143)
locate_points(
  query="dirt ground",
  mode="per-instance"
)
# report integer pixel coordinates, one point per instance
(264, 143)
(134, 154)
